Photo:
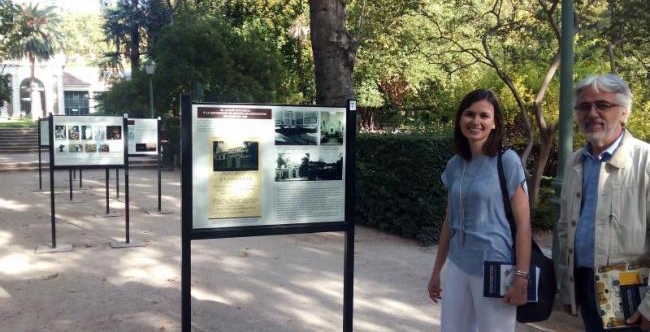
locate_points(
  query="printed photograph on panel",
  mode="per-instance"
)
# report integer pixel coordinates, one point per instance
(331, 128)
(234, 185)
(303, 167)
(99, 133)
(59, 132)
(75, 148)
(113, 132)
(235, 156)
(296, 127)
(291, 166)
(145, 147)
(103, 148)
(62, 148)
(90, 147)
(86, 132)
(73, 133)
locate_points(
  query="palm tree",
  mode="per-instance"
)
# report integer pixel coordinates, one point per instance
(37, 38)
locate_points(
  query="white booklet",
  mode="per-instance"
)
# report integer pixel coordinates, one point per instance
(498, 276)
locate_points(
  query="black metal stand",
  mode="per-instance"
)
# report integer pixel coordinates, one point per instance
(40, 177)
(186, 214)
(348, 269)
(53, 248)
(126, 194)
(80, 178)
(52, 210)
(159, 171)
(70, 180)
(188, 233)
(107, 190)
(117, 182)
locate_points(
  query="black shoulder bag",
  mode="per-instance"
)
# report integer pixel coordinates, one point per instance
(540, 310)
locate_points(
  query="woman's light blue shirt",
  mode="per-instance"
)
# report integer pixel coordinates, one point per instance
(487, 232)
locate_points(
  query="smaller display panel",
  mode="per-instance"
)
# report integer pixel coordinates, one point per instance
(143, 136)
(44, 129)
(88, 140)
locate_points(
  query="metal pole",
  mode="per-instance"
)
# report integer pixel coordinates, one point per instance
(52, 210)
(117, 182)
(70, 178)
(107, 175)
(151, 95)
(40, 180)
(565, 144)
(80, 178)
(186, 214)
(348, 269)
(126, 175)
(159, 170)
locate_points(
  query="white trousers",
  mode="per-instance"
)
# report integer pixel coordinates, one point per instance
(464, 309)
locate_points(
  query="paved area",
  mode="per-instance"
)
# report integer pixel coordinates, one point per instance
(270, 283)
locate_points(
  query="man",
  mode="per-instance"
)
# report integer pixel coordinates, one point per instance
(605, 205)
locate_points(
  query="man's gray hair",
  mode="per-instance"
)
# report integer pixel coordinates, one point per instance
(608, 83)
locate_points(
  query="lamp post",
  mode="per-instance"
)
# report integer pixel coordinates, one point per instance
(150, 68)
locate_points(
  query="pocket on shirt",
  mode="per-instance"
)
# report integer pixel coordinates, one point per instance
(629, 232)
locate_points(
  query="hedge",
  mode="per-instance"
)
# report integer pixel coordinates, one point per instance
(398, 187)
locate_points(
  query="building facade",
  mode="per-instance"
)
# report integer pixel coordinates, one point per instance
(57, 89)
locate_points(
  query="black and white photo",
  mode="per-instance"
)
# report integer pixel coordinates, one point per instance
(296, 127)
(59, 132)
(331, 127)
(235, 156)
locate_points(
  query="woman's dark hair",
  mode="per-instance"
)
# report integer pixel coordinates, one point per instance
(493, 143)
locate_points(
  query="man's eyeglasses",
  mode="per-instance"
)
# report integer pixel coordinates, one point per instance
(601, 106)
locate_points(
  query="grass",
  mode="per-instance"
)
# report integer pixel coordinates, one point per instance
(18, 123)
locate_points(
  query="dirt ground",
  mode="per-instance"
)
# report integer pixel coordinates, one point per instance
(270, 283)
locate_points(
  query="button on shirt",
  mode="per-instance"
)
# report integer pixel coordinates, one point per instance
(585, 232)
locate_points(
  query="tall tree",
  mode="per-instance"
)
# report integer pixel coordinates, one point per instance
(36, 38)
(7, 11)
(334, 51)
(132, 27)
(509, 37)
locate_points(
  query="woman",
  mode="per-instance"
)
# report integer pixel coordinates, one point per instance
(476, 228)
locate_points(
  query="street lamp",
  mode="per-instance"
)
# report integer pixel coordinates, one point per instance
(150, 68)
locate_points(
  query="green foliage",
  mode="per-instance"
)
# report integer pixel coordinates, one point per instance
(232, 65)
(544, 216)
(37, 33)
(398, 183)
(83, 38)
(5, 88)
(18, 123)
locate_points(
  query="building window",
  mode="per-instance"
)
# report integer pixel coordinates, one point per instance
(76, 102)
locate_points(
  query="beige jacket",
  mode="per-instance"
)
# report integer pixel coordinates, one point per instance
(622, 213)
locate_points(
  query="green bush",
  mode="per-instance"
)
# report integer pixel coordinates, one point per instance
(398, 187)
(545, 215)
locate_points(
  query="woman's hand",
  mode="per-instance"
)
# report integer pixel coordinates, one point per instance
(517, 294)
(435, 293)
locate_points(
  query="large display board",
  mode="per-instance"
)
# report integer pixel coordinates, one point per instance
(44, 132)
(143, 136)
(88, 141)
(256, 165)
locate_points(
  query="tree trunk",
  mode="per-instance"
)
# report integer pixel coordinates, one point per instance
(544, 153)
(334, 52)
(32, 75)
(134, 51)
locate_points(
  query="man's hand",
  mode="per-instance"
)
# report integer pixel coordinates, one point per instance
(637, 318)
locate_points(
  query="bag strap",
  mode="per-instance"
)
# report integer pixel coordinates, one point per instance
(508, 208)
(506, 198)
